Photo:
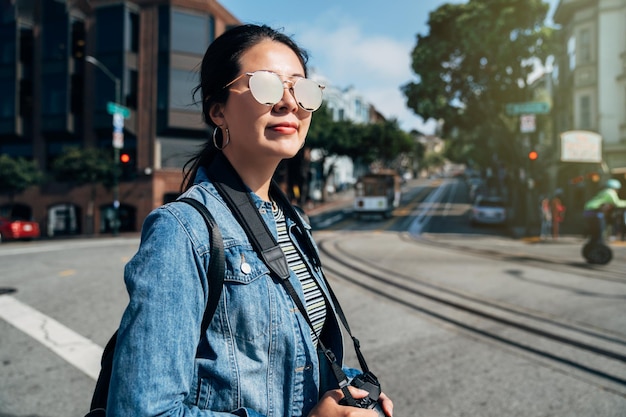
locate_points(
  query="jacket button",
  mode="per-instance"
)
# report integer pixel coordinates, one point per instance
(246, 268)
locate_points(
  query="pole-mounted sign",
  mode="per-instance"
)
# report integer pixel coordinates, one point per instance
(529, 107)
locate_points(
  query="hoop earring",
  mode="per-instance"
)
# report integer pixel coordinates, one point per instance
(225, 144)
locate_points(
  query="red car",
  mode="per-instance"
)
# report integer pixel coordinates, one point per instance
(18, 229)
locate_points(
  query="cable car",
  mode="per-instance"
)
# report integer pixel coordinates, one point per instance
(377, 193)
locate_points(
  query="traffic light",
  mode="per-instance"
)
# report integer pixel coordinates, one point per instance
(533, 155)
(128, 165)
(78, 40)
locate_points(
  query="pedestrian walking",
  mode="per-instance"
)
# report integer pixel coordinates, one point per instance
(546, 218)
(558, 212)
(261, 354)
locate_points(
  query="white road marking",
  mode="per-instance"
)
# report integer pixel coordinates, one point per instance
(69, 345)
(424, 216)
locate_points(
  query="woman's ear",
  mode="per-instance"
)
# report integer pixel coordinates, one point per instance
(216, 114)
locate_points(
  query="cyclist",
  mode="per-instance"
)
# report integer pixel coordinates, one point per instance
(599, 207)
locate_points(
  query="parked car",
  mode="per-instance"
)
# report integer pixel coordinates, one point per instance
(15, 229)
(488, 210)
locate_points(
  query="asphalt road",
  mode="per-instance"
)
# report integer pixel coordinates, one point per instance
(449, 330)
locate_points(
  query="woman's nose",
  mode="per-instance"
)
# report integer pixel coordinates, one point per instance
(288, 100)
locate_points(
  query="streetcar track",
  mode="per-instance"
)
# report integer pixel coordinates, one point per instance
(341, 257)
(537, 316)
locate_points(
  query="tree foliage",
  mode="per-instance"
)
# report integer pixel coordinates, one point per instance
(476, 58)
(365, 143)
(17, 174)
(85, 166)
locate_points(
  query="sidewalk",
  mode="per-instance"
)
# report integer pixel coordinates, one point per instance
(337, 201)
(566, 249)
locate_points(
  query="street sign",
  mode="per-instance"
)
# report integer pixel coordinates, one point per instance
(113, 108)
(527, 123)
(118, 140)
(529, 107)
(118, 121)
(581, 146)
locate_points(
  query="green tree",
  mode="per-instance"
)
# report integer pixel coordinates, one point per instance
(433, 160)
(331, 138)
(476, 58)
(17, 174)
(380, 142)
(85, 166)
(384, 142)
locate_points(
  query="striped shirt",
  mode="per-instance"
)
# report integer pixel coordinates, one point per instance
(313, 297)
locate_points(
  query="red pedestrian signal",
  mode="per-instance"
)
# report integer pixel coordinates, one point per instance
(532, 155)
(124, 158)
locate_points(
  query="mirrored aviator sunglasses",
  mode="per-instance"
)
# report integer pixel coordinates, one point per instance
(267, 88)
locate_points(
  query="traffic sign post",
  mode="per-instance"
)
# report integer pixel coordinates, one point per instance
(118, 130)
(527, 112)
(529, 107)
(527, 123)
(114, 108)
(119, 113)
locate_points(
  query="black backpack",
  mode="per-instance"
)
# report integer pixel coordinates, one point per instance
(216, 280)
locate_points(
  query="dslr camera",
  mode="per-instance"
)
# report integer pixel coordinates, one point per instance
(367, 382)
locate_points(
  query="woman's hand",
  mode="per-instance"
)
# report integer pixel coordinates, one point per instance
(386, 404)
(329, 405)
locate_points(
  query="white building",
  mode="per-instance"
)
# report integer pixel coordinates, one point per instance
(591, 74)
(345, 104)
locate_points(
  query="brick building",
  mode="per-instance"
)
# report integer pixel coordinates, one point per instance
(60, 64)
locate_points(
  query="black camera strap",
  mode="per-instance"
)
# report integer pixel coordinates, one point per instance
(235, 194)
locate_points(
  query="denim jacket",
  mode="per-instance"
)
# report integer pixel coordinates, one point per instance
(256, 358)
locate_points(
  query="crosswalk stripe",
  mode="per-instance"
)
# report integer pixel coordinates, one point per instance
(79, 351)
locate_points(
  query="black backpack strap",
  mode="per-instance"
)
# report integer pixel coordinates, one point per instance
(237, 197)
(215, 275)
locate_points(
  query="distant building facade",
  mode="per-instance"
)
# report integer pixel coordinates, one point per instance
(590, 93)
(344, 104)
(53, 98)
(62, 62)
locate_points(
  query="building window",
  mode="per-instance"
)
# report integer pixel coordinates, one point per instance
(26, 98)
(133, 87)
(190, 32)
(182, 84)
(55, 32)
(133, 32)
(585, 112)
(584, 45)
(7, 99)
(8, 36)
(109, 35)
(571, 52)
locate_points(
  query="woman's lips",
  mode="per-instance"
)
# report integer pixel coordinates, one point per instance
(285, 128)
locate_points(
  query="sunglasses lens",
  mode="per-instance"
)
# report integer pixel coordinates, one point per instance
(266, 87)
(308, 94)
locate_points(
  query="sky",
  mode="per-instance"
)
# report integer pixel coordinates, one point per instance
(365, 44)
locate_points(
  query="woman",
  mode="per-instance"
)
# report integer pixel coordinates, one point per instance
(259, 356)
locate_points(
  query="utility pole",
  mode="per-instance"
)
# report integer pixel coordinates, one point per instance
(119, 113)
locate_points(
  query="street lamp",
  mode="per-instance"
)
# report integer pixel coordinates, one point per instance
(116, 150)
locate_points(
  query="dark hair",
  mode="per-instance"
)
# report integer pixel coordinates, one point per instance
(220, 65)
